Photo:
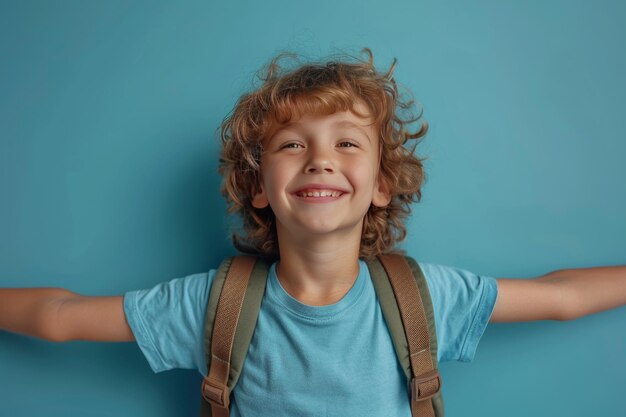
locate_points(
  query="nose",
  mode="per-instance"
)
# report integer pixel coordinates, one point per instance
(319, 162)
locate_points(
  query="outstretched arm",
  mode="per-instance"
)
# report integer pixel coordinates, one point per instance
(565, 294)
(60, 315)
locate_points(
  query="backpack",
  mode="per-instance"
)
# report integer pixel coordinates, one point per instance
(233, 308)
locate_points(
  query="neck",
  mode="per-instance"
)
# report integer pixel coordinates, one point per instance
(318, 270)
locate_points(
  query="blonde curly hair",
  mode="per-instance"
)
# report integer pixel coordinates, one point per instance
(321, 88)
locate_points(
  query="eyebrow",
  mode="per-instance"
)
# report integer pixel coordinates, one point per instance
(338, 123)
(348, 123)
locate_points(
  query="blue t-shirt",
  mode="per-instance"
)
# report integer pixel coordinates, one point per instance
(332, 360)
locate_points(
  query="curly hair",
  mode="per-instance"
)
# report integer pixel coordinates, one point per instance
(321, 88)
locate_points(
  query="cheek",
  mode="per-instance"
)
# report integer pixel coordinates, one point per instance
(363, 173)
(274, 178)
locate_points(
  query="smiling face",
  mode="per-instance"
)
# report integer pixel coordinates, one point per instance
(319, 174)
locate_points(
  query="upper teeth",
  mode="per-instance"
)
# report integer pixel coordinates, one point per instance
(319, 193)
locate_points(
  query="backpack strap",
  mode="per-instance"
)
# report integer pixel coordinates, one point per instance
(232, 312)
(406, 305)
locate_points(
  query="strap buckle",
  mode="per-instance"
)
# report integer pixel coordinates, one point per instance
(425, 386)
(215, 393)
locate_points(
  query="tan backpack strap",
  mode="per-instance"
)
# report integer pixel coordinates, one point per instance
(425, 382)
(215, 385)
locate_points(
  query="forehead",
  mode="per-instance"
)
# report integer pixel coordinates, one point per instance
(341, 120)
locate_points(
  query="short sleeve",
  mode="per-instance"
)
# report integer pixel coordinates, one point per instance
(462, 304)
(168, 321)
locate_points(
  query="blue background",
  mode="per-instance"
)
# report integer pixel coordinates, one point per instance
(108, 182)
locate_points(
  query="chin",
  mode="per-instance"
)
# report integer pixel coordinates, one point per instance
(321, 227)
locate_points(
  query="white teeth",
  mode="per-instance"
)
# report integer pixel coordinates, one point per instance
(319, 193)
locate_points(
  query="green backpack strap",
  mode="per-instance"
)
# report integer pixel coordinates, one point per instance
(394, 278)
(234, 304)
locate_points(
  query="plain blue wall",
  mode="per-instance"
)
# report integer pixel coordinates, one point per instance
(108, 156)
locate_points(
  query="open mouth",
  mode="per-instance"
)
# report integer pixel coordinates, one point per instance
(319, 193)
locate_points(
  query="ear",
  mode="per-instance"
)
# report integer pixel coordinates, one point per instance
(382, 195)
(259, 200)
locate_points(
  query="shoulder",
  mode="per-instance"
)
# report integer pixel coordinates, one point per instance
(191, 288)
(445, 281)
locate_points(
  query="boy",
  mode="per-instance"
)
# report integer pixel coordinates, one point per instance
(315, 163)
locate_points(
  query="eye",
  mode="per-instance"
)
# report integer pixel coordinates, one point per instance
(348, 144)
(291, 145)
